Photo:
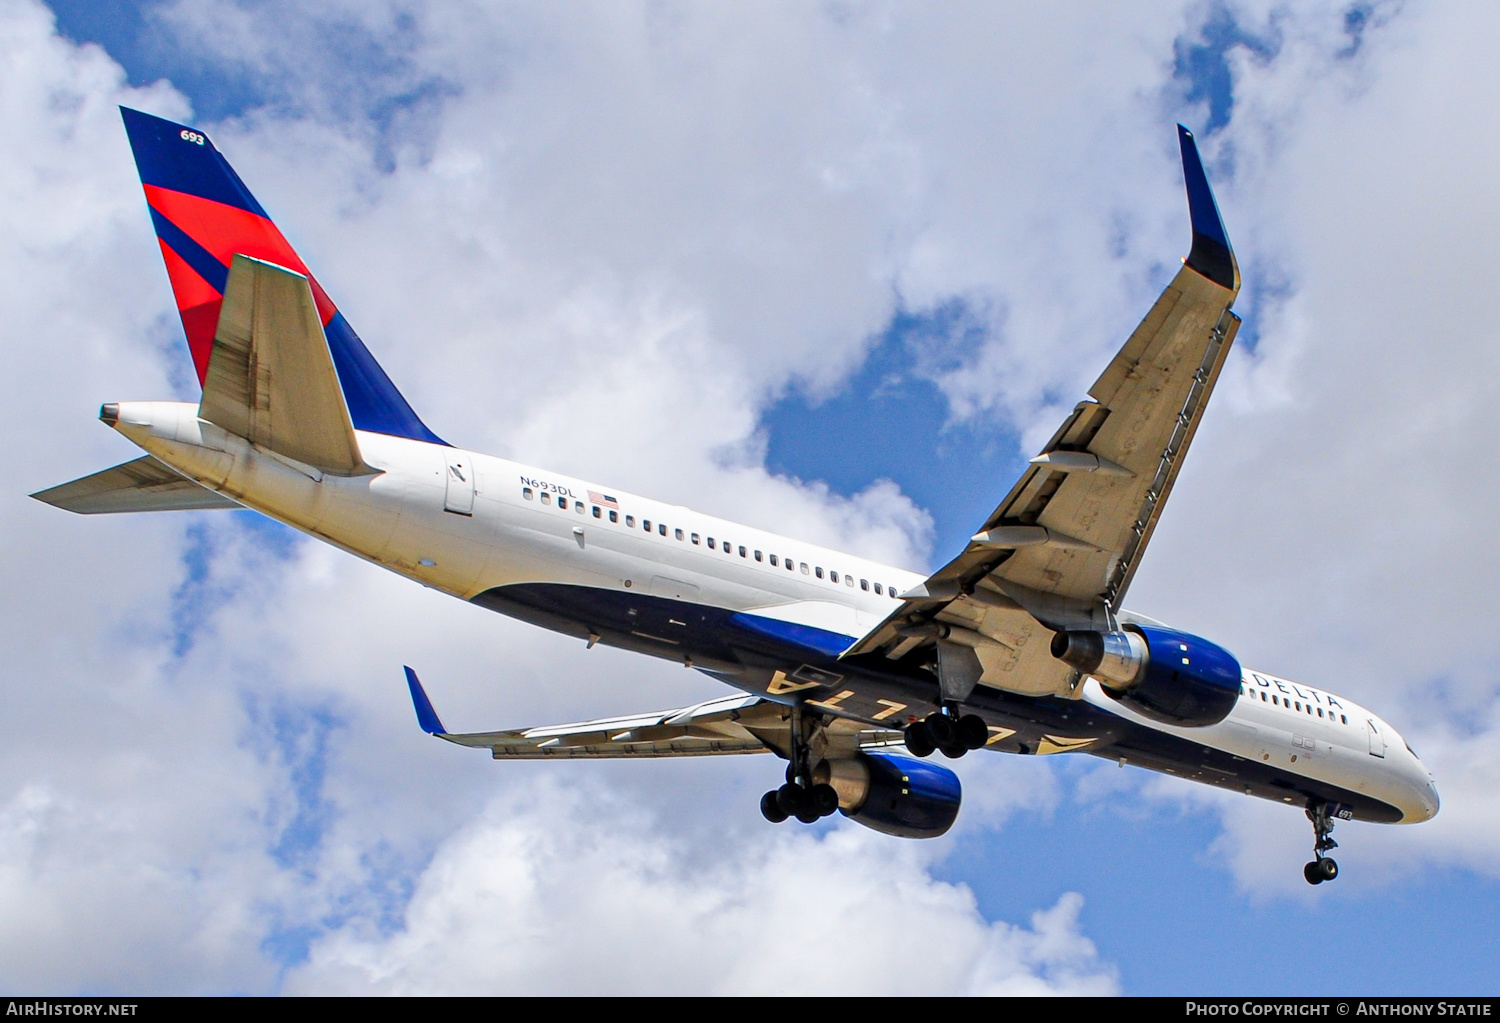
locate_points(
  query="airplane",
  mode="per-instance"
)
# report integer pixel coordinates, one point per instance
(852, 672)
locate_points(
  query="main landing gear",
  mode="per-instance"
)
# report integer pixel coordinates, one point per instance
(1322, 867)
(947, 731)
(807, 803)
(801, 797)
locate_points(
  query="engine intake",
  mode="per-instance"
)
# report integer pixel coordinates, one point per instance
(1163, 674)
(899, 796)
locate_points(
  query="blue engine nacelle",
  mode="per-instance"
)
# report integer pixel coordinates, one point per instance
(899, 796)
(1163, 674)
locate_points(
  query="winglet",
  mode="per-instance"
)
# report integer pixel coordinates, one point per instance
(1211, 255)
(426, 716)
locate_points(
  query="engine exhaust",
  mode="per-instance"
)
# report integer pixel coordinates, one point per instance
(1118, 659)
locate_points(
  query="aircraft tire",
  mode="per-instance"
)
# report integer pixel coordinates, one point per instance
(770, 808)
(1328, 869)
(973, 733)
(789, 799)
(918, 740)
(1313, 872)
(953, 751)
(824, 798)
(942, 728)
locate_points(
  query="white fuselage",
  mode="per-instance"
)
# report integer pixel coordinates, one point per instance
(465, 523)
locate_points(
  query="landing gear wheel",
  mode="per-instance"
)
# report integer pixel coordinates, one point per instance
(770, 808)
(824, 799)
(1313, 871)
(942, 729)
(973, 733)
(1327, 869)
(955, 751)
(789, 800)
(919, 740)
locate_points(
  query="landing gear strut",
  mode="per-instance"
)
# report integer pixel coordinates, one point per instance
(1322, 867)
(800, 797)
(947, 731)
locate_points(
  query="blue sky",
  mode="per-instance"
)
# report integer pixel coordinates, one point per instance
(779, 290)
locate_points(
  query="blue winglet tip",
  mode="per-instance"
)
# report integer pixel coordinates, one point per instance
(1211, 254)
(426, 716)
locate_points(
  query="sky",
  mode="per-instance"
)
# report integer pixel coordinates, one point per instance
(833, 269)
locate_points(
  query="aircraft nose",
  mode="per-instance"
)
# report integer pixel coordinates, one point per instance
(1424, 802)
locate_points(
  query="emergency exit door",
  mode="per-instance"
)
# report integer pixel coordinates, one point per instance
(459, 498)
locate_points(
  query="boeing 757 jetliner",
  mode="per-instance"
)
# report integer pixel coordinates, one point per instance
(852, 672)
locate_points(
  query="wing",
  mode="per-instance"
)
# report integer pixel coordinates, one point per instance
(1062, 547)
(730, 724)
(145, 484)
(271, 378)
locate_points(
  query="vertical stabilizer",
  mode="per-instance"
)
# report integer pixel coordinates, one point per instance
(205, 216)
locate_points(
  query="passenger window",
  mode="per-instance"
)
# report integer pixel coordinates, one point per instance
(629, 520)
(578, 507)
(562, 502)
(710, 541)
(774, 562)
(791, 566)
(804, 568)
(818, 571)
(614, 516)
(1262, 697)
(527, 493)
(661, 527)
(730, 550)
(879, 590)
(833, 576)
(1320, 712)
(597, 511)
(892, 589)
(676, 531)
(864, 584)
(646, 523)
(744, 553)
(757, 555)
(1343, 719)
(546, 497)
(695, 537)
(848, 580)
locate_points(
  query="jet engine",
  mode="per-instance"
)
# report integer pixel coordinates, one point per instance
(1163, 674)
(899, 796)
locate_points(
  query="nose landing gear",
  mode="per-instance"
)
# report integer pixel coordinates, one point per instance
(1322, 867)
(947, 731)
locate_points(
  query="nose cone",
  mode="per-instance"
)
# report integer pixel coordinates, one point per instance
(1421, 802)
(1429, 802)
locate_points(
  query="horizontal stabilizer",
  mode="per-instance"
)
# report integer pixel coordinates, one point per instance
(271, 378)
(139, 486)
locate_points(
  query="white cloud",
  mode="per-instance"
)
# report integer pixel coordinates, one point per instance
(569, 892)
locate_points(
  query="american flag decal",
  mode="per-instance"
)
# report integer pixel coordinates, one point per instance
(604, 499)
